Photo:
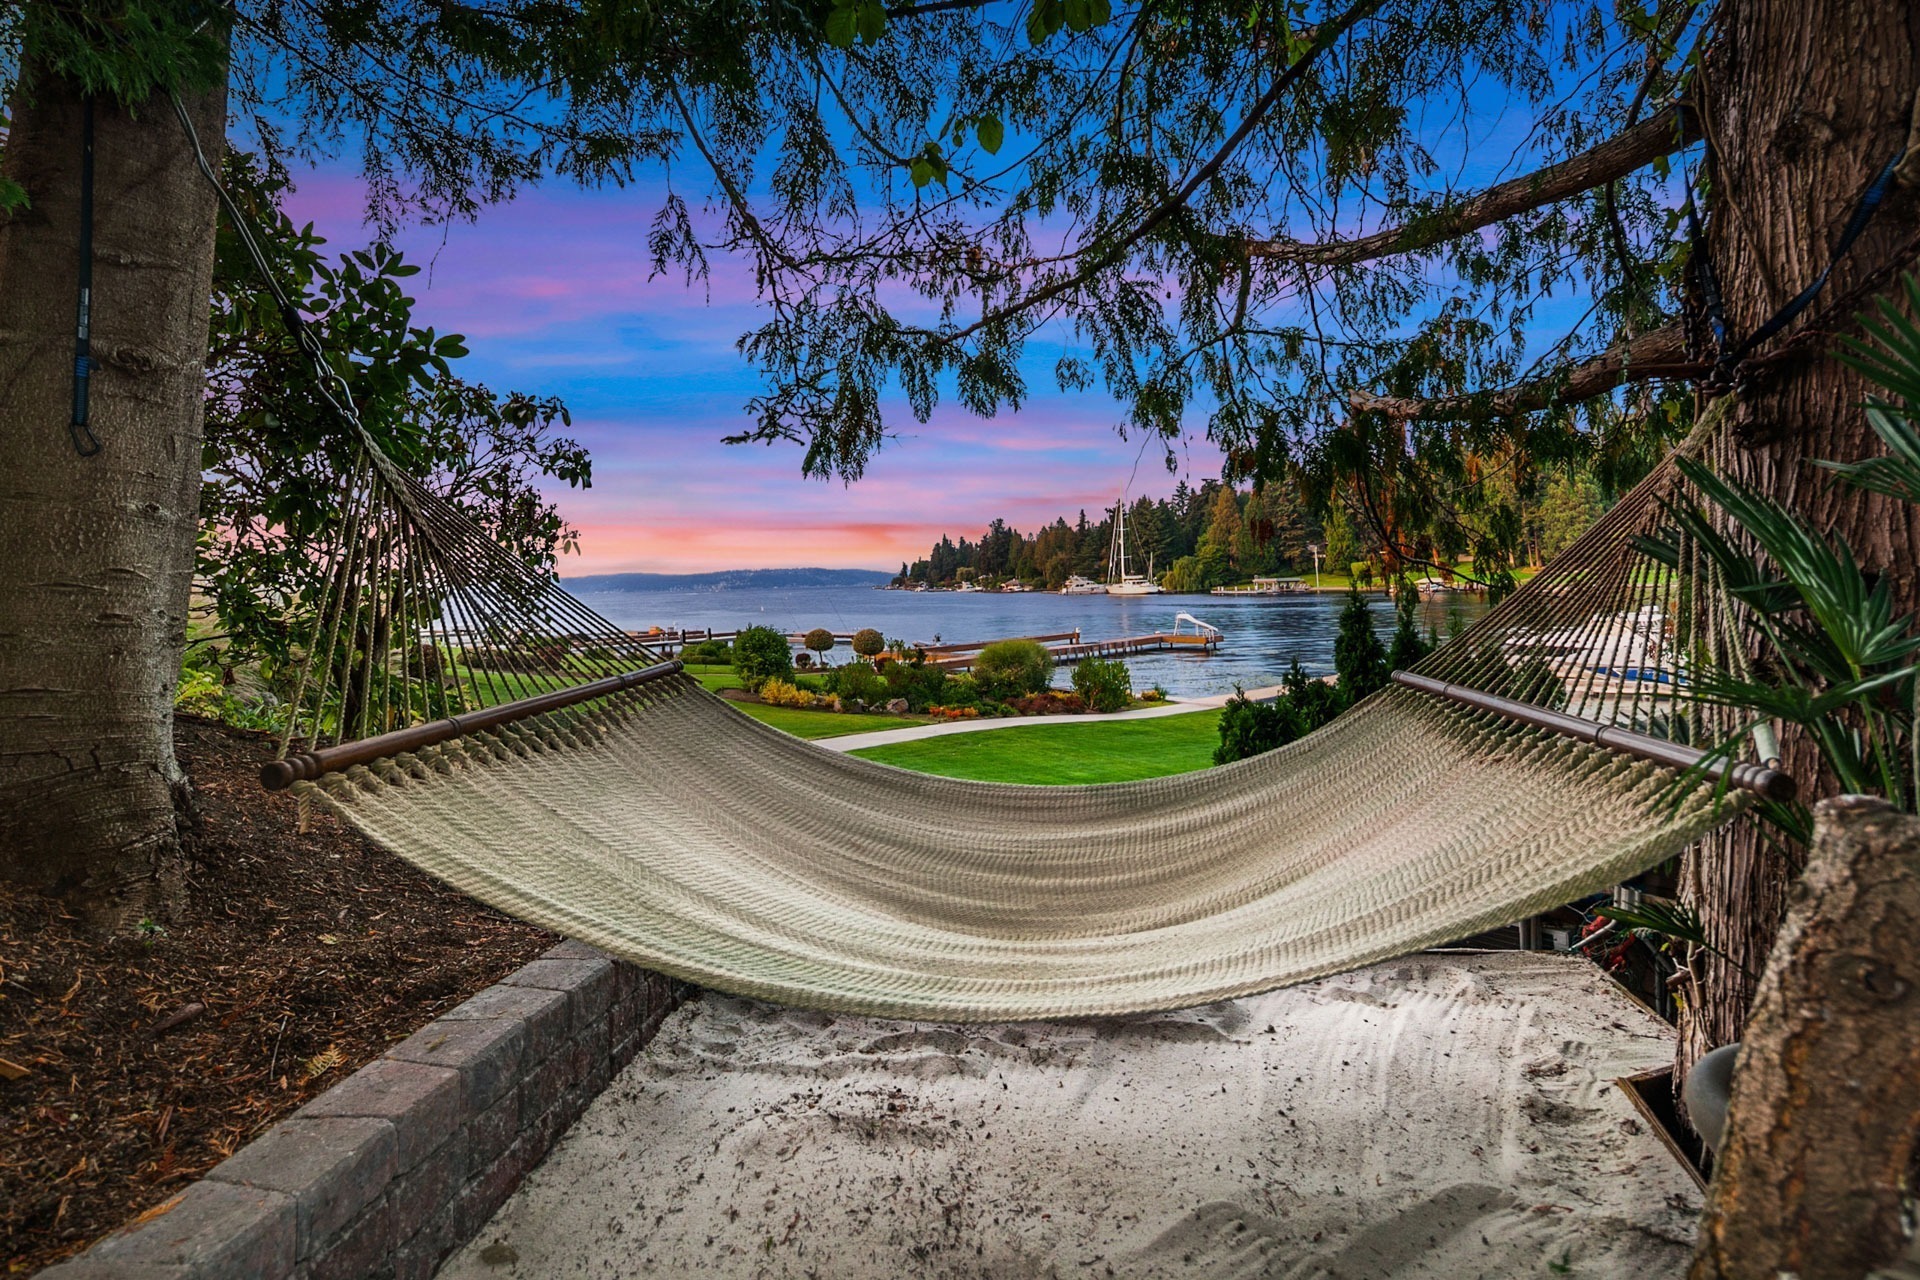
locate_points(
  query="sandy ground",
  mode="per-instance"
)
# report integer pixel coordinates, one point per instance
(1444, 1115)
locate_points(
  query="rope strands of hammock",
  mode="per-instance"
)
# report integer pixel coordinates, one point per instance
(1613, 635)
(669, 829)
(423, 617)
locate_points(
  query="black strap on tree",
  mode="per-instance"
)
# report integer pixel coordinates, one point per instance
(85, 443)
(1727, 360)
(1870, 201)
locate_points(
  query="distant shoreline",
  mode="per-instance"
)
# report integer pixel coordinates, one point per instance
(727, 580)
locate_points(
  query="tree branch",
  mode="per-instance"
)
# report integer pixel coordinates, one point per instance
(1324, 37)
(1620, 155)
(1661, 353)
(934, 6)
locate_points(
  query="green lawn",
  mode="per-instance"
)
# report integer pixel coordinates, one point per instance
(1103, 751)
(714, 678)
(819, 724)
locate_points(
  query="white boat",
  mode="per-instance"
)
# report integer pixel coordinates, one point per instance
(1119, 581)
(1079, 586)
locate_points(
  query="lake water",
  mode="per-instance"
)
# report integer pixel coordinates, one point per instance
(1263, 633)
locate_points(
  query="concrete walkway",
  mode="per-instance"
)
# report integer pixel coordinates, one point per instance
(881, 737)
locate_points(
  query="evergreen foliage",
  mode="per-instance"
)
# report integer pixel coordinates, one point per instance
(1248, 728)
(1408, 645)
(921, 685)
(1194, 540)
(1357, 653)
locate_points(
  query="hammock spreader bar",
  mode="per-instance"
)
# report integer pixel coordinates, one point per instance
(1771, 783)
(304, 766)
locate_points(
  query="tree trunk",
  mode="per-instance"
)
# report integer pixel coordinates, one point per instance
(1812, 1175)
(98, 551)
(1804, 102)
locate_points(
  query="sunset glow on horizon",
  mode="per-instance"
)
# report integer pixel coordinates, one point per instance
(552, 293)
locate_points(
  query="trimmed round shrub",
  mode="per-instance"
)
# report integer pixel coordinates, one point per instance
(761, 654)
(867, 642)
(1105, 685)
(821, 641)
(1009, 668)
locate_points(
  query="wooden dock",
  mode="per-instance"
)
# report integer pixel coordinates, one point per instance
(1065, 647)
(1065, 650)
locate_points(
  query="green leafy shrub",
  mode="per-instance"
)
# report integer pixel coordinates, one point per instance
(203, 691)
(708, 653)
(1009, 668)
(761, 654)
(922, 686)
(859, 682)
(1104, 685)
(867, 642)
(962, 691)
(1249, 728)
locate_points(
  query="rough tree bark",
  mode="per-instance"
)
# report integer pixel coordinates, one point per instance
(1811, 1179)
(98, 550)
(1803, 102)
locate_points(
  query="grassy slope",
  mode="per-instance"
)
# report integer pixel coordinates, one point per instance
(1102, 751)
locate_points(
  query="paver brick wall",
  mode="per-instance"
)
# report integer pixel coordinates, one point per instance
(389, 1171)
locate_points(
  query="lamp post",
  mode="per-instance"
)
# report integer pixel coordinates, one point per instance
(1315, 548)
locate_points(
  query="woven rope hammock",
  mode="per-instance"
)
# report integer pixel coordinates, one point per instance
(468, 714)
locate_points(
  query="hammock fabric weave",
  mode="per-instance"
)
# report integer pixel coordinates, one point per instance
(665, 827)
(673, 831)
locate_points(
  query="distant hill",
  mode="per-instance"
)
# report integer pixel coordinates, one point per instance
(726, 580)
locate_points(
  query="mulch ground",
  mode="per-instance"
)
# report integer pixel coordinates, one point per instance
(294, 957)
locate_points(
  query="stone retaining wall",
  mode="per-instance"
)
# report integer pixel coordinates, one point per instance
(393, 1168)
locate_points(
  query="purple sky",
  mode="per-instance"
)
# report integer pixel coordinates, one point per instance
(553, 296)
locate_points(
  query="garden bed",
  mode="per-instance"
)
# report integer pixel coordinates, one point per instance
(309, 951)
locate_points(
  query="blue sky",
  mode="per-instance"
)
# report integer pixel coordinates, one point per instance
(553, 293)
